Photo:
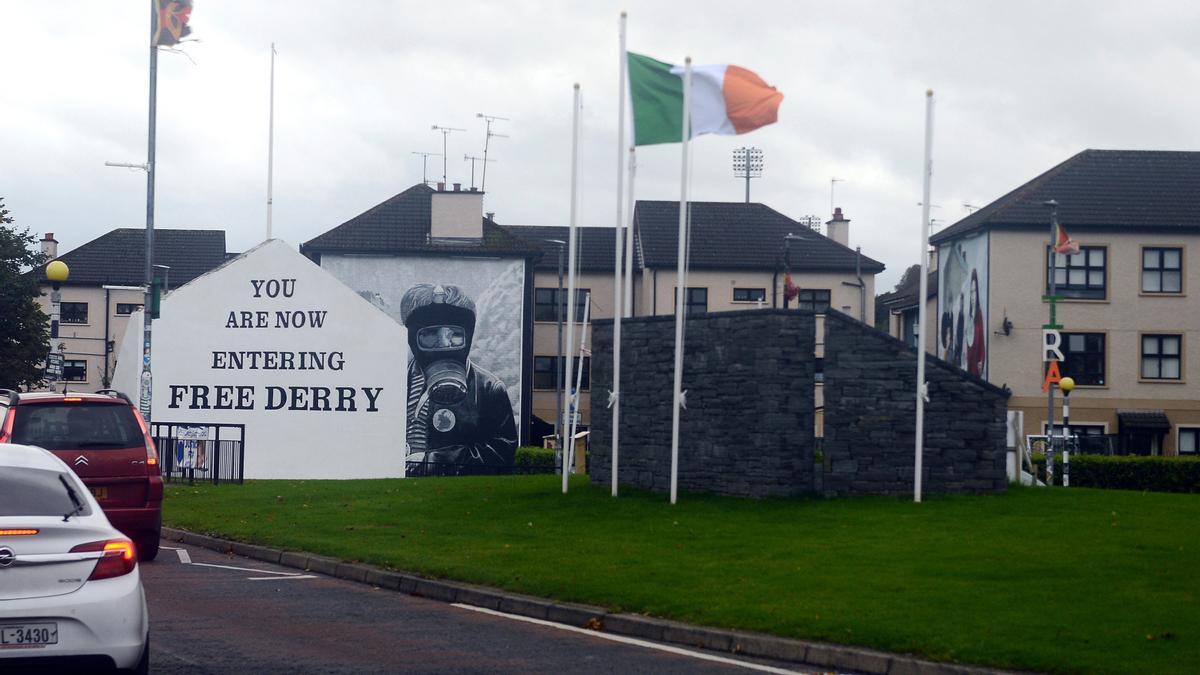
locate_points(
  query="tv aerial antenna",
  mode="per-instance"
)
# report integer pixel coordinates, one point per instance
(472, 159)
(833, 181)
(487, 141)
(424, 162)
(446, 131)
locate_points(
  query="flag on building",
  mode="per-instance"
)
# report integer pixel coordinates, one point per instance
(790, 290)
(170, 22)
(1063, 243)
(725, 100)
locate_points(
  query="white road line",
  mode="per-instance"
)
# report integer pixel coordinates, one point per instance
(249, 569)
(632, 641)
(298, 576)
(170, 548)
(184, 556)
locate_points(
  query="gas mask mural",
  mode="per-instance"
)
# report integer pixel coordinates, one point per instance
(460, 418)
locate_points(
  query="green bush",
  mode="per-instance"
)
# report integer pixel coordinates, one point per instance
(1157, 474)
(534, 459)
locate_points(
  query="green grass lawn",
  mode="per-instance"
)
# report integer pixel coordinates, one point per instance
(1068, 580)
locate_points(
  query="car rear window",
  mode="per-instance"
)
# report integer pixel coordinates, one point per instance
(37, 492)
(77, 426)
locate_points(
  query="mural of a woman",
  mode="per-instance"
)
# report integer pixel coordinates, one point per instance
(976, 342)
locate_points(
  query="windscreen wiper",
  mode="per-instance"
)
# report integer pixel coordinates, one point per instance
(74, 498)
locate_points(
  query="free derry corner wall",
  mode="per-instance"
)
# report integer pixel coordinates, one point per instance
(748, 426)
(316, 373)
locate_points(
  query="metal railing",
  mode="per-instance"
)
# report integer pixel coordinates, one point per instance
(211, 453)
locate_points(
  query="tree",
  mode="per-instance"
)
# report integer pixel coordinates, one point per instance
(24, 327)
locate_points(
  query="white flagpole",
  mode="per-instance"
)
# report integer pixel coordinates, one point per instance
(572, 247)
(615, 397)
(681, 274)
(271, 144)
(922, 319)
(583, 351)
(629, 233)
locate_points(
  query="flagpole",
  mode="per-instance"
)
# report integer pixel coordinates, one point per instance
(922, 319)
(572, 247)
(681, 273)
(271, 144)
(146, 381)
(628, 309)
(583, 330)
(615, 397)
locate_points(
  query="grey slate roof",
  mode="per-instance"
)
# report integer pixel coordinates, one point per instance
(119, 257)
(736, 235)
(1098, 189)
(400, 224)
(596, 246)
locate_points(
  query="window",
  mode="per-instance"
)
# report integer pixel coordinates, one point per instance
(545, 372)
(1162, 270)
(74, 370)
(815, 299)
(1081, 275)
(544, 308)
(74, 312)
(819, 370)
(1189, 440)
(749, 294)
(695, 301)
(1160, 357)
(1084, 358)
(128, 307)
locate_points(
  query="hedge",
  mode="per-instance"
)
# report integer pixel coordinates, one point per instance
(534, 459)
(1128, 472)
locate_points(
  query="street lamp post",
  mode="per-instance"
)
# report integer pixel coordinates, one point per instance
(1066, 384)
(56, 272)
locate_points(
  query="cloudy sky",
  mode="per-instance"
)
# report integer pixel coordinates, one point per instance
(1019, 86)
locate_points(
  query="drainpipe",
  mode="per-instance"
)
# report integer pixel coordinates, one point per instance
(862, 287)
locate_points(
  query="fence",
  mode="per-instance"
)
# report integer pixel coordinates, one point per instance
(208, 452)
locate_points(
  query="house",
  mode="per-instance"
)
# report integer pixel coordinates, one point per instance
(107, 284)
(1130, 333)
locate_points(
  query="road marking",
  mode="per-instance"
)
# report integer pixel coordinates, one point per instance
(298, 576)
(249, 569)
(633, 641)
(170, 548)
(184, 556)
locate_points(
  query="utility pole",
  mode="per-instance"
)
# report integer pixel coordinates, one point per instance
(445, 132)
(487, 141)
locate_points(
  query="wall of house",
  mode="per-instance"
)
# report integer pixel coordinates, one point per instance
(720, 285)
(1017, 284)
(86, 342)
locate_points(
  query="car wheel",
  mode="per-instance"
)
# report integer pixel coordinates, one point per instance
(148, 547)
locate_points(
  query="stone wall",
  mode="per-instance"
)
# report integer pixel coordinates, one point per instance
(870, 418)
(748, 429)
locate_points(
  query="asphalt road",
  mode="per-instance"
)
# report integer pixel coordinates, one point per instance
(208, 617)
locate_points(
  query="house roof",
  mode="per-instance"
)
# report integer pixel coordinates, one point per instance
(597, 246)
(1098, 189)
(118, 258)
(400, 224)
(737, 235)
(906, 296)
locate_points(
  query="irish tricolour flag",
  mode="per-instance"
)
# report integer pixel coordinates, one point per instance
(725, 100)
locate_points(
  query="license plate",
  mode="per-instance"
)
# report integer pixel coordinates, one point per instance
(100, 492)
(14, 636)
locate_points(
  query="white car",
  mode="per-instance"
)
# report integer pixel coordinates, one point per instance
(70, 590)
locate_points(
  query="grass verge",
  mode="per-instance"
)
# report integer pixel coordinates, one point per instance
(1066, 580)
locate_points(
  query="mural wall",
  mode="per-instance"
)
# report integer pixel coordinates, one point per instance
(271, 341)
(962, 322)
(465, 339)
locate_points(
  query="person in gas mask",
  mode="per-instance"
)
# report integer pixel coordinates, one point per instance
(460, 419)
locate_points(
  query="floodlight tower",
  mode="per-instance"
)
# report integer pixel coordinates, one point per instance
(747, 164)
(487, 141)
(445, 132)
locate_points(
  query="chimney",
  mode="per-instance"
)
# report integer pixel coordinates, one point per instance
(458, 187)
(50, 246)
(491, 215)
(838, 229)
(441, 186)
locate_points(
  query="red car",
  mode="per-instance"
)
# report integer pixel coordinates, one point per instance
(103, 437)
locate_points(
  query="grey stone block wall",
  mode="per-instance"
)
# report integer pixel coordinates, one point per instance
(748, 429)
(870, 418)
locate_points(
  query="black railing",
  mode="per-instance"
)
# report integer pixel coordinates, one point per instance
(212, 453)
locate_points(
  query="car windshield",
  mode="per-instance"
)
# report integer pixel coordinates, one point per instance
(36, 492)
(77, 426)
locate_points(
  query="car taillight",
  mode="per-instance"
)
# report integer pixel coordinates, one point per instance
(151, 452)
(6, 429)
(118, 557)
(18, 532)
